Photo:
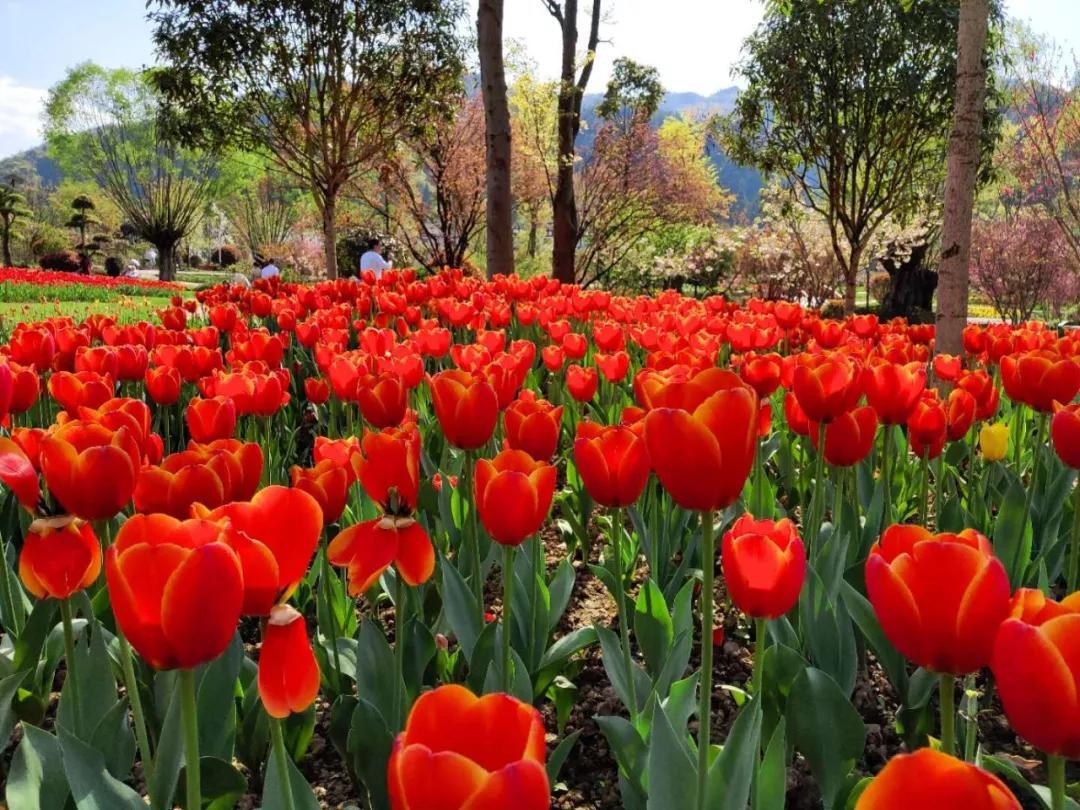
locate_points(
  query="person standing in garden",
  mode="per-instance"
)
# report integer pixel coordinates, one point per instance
(373, 260)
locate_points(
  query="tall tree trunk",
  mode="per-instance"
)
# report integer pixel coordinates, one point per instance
(166, 260)
(962, 171)
(329, 212)
(571, 90)
(6, 240)
(531, 247)
(500, 212)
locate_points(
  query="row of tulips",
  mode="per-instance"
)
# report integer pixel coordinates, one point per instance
(335, 500)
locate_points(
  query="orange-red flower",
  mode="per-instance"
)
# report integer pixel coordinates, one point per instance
(210, 419)
(182, 480)
(388, 467)
(288, 672)
(762, 373)
(461, 752)
(240, 469)
(931, 780)
(466, 407)
(383, 398)
(25, 387)
(80, 389)
(1065, 434)
(764, 566)
(163, 384)
(960, 413)
(176, 590)
(328, 483)
(18, 471)
(90, 469)
(1037, 673)
(317, 390)
(939, 598)
(1040, 378)
(894, 389)
(613, 366)
(928, 426)
(367, 549)
(1032, 606)
(581, 382)
(59, 557)
(826, 385)
(340, 451)
(704, 457)
(848, 438)
(513, 495)
(981, 386)
(680, 386)
(612, 462)
(533, 425)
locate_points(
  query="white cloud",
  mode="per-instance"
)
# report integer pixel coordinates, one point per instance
(20, 115)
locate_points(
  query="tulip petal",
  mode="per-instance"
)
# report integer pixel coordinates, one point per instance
(433, 780)
(201, 604)
(415, 555)
(520, 785)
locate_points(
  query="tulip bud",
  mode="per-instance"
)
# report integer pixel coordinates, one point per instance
(288, 672)
(994, 441)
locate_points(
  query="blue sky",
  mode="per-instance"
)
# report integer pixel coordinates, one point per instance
(693, 43)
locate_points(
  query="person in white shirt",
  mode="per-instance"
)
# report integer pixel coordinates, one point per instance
(269, 270)
(373, 260)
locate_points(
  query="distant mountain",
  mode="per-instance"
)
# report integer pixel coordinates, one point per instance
(743, 182)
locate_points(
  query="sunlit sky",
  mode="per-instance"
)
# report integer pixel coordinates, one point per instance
(693, 43)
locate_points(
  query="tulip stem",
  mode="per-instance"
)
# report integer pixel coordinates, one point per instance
(971, 717)
(508, 595)
(886, 476)
(468, 502)
(72, 680)
(1056, 766)
(924, 488)
(705, 704)
(939, 490)
(400, 620)
(131, 686)
(817, 508)
(1016, 574)
(281, 758)
(624, 614)
(189, 712)
(331, 616)
(1074, 556)
(947, 697)
(760, 642)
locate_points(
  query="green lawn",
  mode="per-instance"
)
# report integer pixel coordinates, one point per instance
(124, 309)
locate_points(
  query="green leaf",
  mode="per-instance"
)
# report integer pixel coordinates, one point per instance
(627, 747)
(35, 631)
(828, 630)
(461, 610)
(826, 728)
(217, 702)
(568, 645)
(91, 783)
(561, 589)
(222, 783)
(860, 609)
(36, 778)
(770, 790)
(368, 747)
(1012, 533)
(653, 626)
(671, 771)
(169, 753)
(559, 755)
(97, 687)
(8, 688)
(377, 672)
(276, 783)
(114, 738)
(732, 773)
(615, 667)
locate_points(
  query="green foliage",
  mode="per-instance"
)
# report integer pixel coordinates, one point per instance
(633, 91)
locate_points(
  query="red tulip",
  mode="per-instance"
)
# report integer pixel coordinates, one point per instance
(1040, 378)
(466, 407)
(513, 495)
(940, 598)
(894, 389)
(1032, 606)
(78, 458)
(18, 470)
(388, 468)
(613, 366)
(340, 451)
(981, 386)
(173, 490)
(326, 482)
(826, 385)
(211, 419)
(59, 557)
(533, 425)
(848, 438)
(931, 780)
(460, 752)
(163, 384)
(960, 414)
(176, 591)
(581, 382)
(81, 389)
(383, 399)
(703, 458)
(928, 426)
(762, 373)
(317, 390)
(764, 566)
(1065, 434)
(288, 672)
(367, 549)
(947, 367)
(1037, 673)
(612, 462)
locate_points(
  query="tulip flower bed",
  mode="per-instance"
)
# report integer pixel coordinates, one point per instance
(440, 543)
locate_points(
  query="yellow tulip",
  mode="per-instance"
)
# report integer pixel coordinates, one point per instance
(994, 441)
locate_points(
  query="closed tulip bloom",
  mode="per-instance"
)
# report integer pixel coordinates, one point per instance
(613, 463)
(939, 598)
(947, 367)
(388, 468)
(994, 441)
(894, 389)
(461, 752)
(981, 386)
(959, 414)
(317, 390)
(59, 557)
(796, 417)
(25, 387)
(681, 387)
(210, 419)
(762, 372)
(326, 482)
(1037, 673)
(163, 384)
(826, 385)
(928, 426)
(1040, 378)
(176, 592)
(513, 495)
(466, 407)
(533, 425)
(581, 382)
(383, 399)
(613, 366)
(367, 549)
(244, 463)
(288, 672)
(90, 469)
(18, 470)
(174, 492)
(848, 438)
(931, 780)
(80, 389)
(340, 451)
(703, 458)
(764, 566)
(1065, 434)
